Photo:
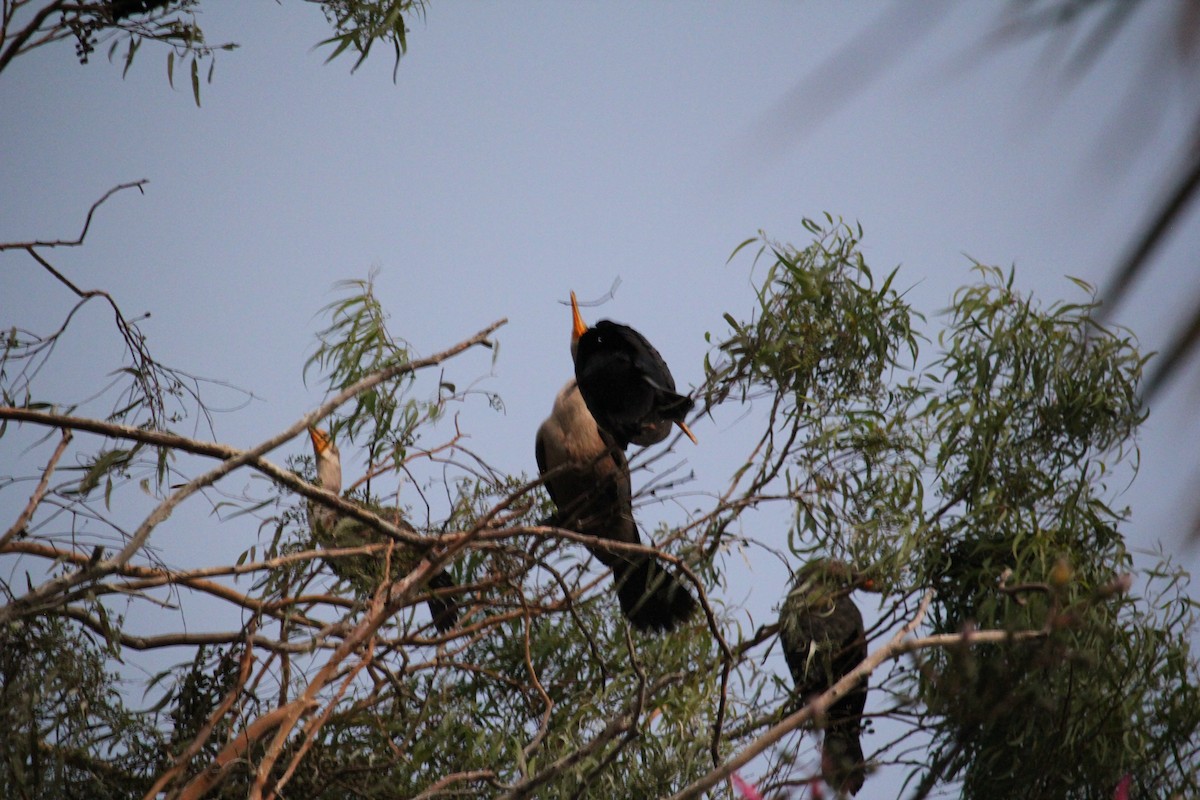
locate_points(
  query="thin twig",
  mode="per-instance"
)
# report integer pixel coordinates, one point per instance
(139, 185)
(38, 493)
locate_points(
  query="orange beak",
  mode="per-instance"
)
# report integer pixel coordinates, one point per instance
(580, 327)
(320, 439)
(683, 427)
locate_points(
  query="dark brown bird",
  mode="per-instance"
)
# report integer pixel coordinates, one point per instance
(331, 529)
(823, 639)
(625, 382)
(592, 494)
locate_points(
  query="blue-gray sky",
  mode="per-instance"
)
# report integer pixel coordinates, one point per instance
(529, 149)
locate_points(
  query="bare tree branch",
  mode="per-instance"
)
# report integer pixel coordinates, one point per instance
(38, 493)
(87, 223)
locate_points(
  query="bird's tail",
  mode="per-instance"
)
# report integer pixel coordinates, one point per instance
(443, 609)
(675, 406)
(652, 598)
(842, 765)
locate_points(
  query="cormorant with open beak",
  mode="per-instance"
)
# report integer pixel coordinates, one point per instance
(589, 484)
(824, 639)
(331, 529)
(625, 382)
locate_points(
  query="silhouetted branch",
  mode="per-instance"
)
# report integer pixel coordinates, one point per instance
(87, 223)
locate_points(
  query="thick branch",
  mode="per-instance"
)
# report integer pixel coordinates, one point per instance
(435, 790)
(151, 577)
(387, 601)
(185, 639)
(18, 39)
(215, 450)
(236, 750)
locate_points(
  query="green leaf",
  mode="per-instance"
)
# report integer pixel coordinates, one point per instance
(196, 81)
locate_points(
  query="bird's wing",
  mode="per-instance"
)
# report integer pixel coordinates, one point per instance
(539, 452)
(648, 361)
(814, 636)
(611, 443)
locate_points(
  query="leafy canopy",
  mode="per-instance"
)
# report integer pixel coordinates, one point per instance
(973, 466)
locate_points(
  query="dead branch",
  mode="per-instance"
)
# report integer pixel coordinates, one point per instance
(87, 223)
(38, 493)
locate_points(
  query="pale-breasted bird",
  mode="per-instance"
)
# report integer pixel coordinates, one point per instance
(588, 480)
(332, 529)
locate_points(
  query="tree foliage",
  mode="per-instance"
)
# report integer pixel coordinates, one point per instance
(972, 489)
(124, 26)
(967, 467)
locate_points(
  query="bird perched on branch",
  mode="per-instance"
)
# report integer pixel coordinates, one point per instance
(588, 480)
(332, 529)
(823, 640)
(625, 382)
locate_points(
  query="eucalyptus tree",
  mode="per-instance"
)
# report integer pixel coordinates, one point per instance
(965, 464)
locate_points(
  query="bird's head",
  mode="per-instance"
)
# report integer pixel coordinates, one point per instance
(828, 577)
(322, 442)
(329, 459)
